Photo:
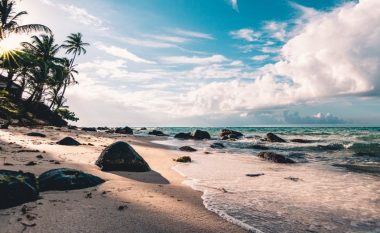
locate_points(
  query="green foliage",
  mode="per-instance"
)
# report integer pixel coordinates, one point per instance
(66, 114)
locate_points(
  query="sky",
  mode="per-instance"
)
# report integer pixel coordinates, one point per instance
(221, 62)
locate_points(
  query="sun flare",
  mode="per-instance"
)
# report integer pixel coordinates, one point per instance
(11, 43)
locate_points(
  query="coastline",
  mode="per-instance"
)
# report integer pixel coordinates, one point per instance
(155, 201)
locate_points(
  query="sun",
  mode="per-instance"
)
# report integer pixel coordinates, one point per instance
(10, 43)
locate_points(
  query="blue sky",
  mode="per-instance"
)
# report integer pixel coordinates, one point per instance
(221, 62)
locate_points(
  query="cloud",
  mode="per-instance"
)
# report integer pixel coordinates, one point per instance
(260, 57)
(319, 118)
(121, 53)
(194, 60)
(234, 4)
(245, 34)
(193, 34)
(276, 30)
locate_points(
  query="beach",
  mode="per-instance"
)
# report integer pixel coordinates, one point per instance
(155, 201)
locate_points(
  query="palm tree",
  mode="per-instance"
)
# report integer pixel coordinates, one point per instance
(9, 21)
(75, 45)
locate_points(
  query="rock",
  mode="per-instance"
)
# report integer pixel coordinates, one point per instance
(183, 159)
(295, 179)
(187, 149)
(89, 129)
(157, 133)
(5, 125)
(36, 134)
(31, 163)
(73, 127)
(254, 174)
(143, 128)
(200, 135)
(276, 158)
(259, 147)
(67, 179)
(39, 157)
(230, 134)
(120, 156)
(271, 137)
(217, 145)
(125, 130)
(68, 141)
(103, 128)
(16, 188)
(301, 141)
(184, 136)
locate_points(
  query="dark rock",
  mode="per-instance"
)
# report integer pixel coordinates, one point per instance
(125, 130)
(187, 149)
(73, 127)
(120, 156)
(103, 128)
(39, 157)
(301, 141)
(16, 188)
(258, 147)
(183, 159)
(200, 135)
(89, 129)
(276, 158)
(36, 134)
(157, 133)
(143, 128)
(67, 179)
(31, 163)
(217, 145)
(184, 136)
(68, 141)
(5, 125)
(271, 137)
(230, 134)
(254, 174)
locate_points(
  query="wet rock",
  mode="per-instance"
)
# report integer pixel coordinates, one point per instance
(254, 174)
(125, 130)
(89, 129)
(271, 137)
(143, 128)
(187, 149)
(67, 179)
(157, 133)
(39, 157)
(301, 141)
(217, 145)
(184, 136)
(16, 188)
(276, 158)
(183, 159)
(200, 135)
(120, 156)
(68, 141)
(230, 134)
(36, 134)
(258, 147)
(31, 163)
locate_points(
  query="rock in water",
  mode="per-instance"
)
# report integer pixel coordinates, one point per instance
(67, 179)
(68, 141)
(301, 141)
(276, 158)
(16, 188)
(200, 135)
(120, 156)
(271, 137)
(157, 133)
(230, 134)
(217, 145)
(36, 134)
(89, 129)
(184, 136)
(187, 149)
(125, 130)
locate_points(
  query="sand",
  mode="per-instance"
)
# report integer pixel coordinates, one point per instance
(155, 201)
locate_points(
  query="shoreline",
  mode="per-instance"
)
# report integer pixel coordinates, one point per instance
(155, 201)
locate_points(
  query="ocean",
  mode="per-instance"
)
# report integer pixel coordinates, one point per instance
(333, 187)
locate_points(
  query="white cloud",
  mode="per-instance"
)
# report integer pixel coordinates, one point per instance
(276, 30)
(245, 34)
(260, 57)
(172, 39)
(194, 60)
(193, 34)
(121, 53)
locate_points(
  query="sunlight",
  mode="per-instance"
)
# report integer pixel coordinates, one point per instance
(11, 43)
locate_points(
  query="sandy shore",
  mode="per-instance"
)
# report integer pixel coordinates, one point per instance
(155, 201)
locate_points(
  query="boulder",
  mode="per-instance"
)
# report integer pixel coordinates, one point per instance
(184, 136)
(200, 135)
(276, 158)
(187, 149)
(16, 188)
(183, 159)
(120, 156)
(157, 133)
(143, 128)
(271, 137)
(125, 130)
(5, 125)
(89, 129)
(230, 134)
(67, 179)
(301, 141)
(217, 145)
(68, 141)
(36, 134)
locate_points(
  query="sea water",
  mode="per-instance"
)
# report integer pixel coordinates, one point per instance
(333, 187)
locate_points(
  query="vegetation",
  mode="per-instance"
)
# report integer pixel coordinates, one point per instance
(33, 70)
